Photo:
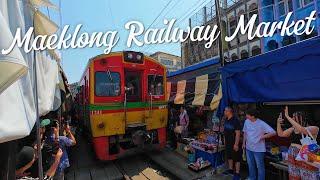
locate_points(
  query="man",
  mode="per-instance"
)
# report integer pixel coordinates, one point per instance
(232, 138)
(64, 142)
(255, 133)
(26, 158)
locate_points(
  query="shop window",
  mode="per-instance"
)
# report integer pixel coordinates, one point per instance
(272, 45)
(255, 51)
(233, 25)
(288, 40)
(290, 6)
(268, 13)
(155, 84)
(244, 54)
(253, 9)
(307, 2)
(234, 57)
(166, 62)
(268, 2)
(282, 8)
(298, 3)
(304, 36)
(107, 84)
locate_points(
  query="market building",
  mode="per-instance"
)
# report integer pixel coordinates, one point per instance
(240, 47)
(172, 62)
(276, 10)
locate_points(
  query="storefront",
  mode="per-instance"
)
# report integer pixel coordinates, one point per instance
(288, 76)
(198, 89)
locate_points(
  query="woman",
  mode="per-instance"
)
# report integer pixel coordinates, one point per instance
(299, 127)
(182, 127)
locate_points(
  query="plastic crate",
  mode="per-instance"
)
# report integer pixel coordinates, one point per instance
(216, 159)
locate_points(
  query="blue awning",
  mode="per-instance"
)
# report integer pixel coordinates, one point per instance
(202, 64)
(291, 73)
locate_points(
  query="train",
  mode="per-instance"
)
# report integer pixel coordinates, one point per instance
(122, 103)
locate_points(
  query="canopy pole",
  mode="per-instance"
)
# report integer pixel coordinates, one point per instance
(35, 89)
(221, 58)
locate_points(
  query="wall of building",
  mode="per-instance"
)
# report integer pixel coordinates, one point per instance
(276, 10)
(171, 62)
(240, 47)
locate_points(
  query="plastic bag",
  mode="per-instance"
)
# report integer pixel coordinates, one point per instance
(305, 142)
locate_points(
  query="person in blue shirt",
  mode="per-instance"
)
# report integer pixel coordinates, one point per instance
(64, 142)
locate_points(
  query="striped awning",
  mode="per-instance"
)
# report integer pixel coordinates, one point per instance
(204, 90)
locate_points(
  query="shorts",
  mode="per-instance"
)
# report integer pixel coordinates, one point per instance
(236, 156)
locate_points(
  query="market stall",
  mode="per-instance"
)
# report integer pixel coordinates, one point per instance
(29, 81)
(286, 76)
(198, 89)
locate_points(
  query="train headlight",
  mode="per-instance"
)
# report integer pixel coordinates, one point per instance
(133, 57)
(101, 125)
(139, 57)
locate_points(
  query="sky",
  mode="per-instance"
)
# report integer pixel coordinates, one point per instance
(106, 15)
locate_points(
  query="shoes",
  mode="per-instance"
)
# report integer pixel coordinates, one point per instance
(236, 176)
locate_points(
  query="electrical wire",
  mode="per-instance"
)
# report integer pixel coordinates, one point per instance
(156, 18)
(184, 16)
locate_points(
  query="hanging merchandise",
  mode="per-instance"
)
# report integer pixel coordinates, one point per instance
(48, 80)
(12, 65)
(17, 110)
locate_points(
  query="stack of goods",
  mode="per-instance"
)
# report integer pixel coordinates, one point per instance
(200, 164)
(313, 153)
(276, 152)
(204, 146)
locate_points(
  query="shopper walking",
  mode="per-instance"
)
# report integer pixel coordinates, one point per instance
(232, 138)
(255, 132)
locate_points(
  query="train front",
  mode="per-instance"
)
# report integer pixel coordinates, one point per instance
(128, 108)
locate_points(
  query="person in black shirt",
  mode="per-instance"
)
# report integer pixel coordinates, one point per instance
(232, 137)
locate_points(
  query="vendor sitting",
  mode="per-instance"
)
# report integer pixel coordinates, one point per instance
(181, 129)
(299, 127)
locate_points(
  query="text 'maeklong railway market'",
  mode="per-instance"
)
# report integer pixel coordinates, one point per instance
(171, 89)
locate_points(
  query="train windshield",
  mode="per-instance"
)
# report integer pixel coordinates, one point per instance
(155, 84)
(107, 84)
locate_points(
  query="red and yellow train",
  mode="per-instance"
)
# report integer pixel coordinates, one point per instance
(122, 102)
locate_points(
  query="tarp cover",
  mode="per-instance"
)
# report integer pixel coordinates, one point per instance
(197, 85)
(287, 74)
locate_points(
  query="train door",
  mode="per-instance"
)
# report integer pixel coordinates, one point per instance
(133, 85)
(134, 117)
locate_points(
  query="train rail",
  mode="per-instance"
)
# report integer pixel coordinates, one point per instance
(84, 166)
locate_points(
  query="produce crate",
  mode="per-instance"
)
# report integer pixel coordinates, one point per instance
(216, 159)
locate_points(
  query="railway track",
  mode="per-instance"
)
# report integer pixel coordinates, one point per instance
(149, 165)
(140, 167)
(84, 166)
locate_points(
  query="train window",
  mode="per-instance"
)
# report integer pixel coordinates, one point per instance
(107, 84)
(155, 84)
(133, 84)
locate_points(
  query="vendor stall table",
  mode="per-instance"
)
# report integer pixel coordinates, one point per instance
(282, 167)
(215, 157)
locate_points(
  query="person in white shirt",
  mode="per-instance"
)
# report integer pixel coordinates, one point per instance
(255, 131)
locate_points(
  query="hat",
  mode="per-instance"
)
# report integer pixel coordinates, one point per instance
(25, 156)
(45, 122)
